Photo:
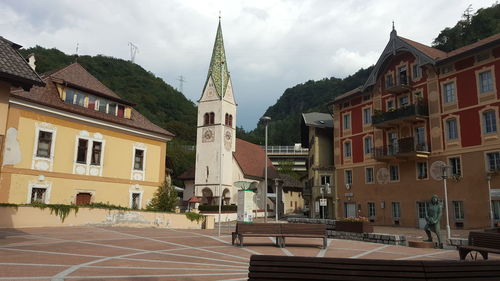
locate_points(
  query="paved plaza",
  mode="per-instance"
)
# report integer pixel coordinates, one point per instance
(124, 253)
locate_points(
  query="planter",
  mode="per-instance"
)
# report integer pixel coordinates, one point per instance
(354, 226)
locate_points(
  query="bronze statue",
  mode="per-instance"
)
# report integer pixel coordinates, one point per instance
(433, 217)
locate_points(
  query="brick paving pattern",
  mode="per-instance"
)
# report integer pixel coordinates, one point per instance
(120, 253)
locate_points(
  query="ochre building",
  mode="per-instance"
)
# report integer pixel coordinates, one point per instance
(420, 109)
(74, 141)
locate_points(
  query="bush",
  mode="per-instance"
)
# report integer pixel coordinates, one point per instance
(215, 208)
(164, 199)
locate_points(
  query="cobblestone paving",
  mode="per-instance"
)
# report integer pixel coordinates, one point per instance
(119, 253)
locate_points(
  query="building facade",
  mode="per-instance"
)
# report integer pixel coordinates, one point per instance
(317, 135)
(421, 109)
(74, 141)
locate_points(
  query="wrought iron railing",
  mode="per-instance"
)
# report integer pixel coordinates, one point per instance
(403, 146)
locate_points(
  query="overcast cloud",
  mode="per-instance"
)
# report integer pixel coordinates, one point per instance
(270, 45)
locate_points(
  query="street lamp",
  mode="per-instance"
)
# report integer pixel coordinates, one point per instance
(445, 176)
(276, 184)
(488, 177)
(265, 120)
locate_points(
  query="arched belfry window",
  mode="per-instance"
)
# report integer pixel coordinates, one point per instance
(206, 119)
(230, 120)
(212, 118)
(226, 120)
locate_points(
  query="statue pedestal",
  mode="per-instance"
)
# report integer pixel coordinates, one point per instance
(421, 244)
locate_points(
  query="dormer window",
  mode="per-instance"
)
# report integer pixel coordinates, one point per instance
(82, 99)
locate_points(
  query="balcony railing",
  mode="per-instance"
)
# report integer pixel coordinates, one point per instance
(401, 86)
(392, 118)
(283, 149)
(404, 148)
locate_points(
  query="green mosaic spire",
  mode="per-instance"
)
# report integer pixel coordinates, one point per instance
(218, 64)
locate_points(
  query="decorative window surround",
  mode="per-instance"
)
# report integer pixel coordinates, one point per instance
(452, 104)
(490, 136)
(453, 143)
(489, 96)
(87, 168)
(47, 186)
(43, 163)
(139, 175)
(135, 189)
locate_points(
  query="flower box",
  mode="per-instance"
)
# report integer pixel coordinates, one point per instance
(354, 226)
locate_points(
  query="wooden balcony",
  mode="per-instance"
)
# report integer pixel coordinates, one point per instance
(409, 113)
(405, 149)
(400, 87)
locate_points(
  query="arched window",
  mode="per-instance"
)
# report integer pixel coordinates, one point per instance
(206, 119)
(226, 120)
(212, 118)
(230, 120)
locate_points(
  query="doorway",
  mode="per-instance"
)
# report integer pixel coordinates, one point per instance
(350, 210)
(422, 213)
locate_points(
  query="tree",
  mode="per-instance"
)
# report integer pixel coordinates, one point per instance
(165, 198)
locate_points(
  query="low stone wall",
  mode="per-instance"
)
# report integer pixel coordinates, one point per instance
(27, 216)
(382, 238)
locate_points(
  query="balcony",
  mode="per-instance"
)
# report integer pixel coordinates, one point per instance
(409, 113)
(400, 87)
(404, 149)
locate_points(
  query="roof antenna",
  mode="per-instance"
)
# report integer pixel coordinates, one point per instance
(76, 58)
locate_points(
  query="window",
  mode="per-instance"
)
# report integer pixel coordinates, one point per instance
(388, 81)
(458, 208)
(456, 169)
(206, 119)
(420, 137)
(92, 103)
(390, 105)
(367, 116)
(212, 118)
(44, 144)
(403, 79)
(38, 195)
(347, 121)
(417, 96)
(417, 71)
(421, 170)
(485, 82)
(369, 175)
(81, 154)
(496, 209)
(394, 172)
(135, 201)
(325, 180)
(404, 101)
(103, 105)
(489, 122)
(449, 92)
(396, 210)
(371, 209)
(368, 145)
(347, 149)
(80, 99)
(348, 177)
(493, 159)
(120, 112)
(95, 158)
(112, 108)
(451, 129)
(139, 159)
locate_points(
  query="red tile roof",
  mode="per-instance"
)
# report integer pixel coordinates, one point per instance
(474, 45)
(250, 158)
(49, 96)
(429, 51)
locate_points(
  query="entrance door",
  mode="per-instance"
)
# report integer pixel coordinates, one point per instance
(350, 210)
(422, 213)
(83, 198)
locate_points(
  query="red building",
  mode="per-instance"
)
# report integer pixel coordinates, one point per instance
(421, 108)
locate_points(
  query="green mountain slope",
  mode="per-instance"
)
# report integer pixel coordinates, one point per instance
(155, 99)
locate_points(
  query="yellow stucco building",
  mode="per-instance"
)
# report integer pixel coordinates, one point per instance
(74, 141)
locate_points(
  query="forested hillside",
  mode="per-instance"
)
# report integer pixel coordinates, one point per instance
(155, 99)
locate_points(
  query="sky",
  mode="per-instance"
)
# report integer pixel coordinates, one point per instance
(271, 45)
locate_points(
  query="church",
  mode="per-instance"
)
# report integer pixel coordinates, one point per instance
(221, 158)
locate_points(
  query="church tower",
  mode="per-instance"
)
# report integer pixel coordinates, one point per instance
(216, 131)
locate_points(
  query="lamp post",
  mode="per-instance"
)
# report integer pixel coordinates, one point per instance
(276, 184)
(488, 177)
(265, 120)
(445, 176)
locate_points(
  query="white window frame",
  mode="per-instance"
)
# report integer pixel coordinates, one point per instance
(372, 175)
(459, 165)
(396, 214)
(348, 152)
(372, 213)
(487, 161)
(491, 83)
(131, 193)
(419, 165)
(46, 186)
(88, 154)
(348, 180)
(455, 130)
(367, 118)
(452, 98)
(492, 126)
(47, 128)
(139, 173)
(367, 151)
(461, 210)
(346, 125)
(397, 174)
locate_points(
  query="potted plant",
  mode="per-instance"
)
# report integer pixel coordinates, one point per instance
(354, 224)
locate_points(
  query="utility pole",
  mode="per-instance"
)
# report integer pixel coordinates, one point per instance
(181, 83)
(133, 51)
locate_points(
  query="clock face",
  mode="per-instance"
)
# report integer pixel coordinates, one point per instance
(208, 135)
(228, 135)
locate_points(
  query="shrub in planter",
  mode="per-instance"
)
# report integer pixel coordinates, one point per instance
(358, 225)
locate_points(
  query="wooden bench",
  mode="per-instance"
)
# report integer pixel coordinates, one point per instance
(480, 242)
(257, 230)
(303, 230)
(264, 267)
